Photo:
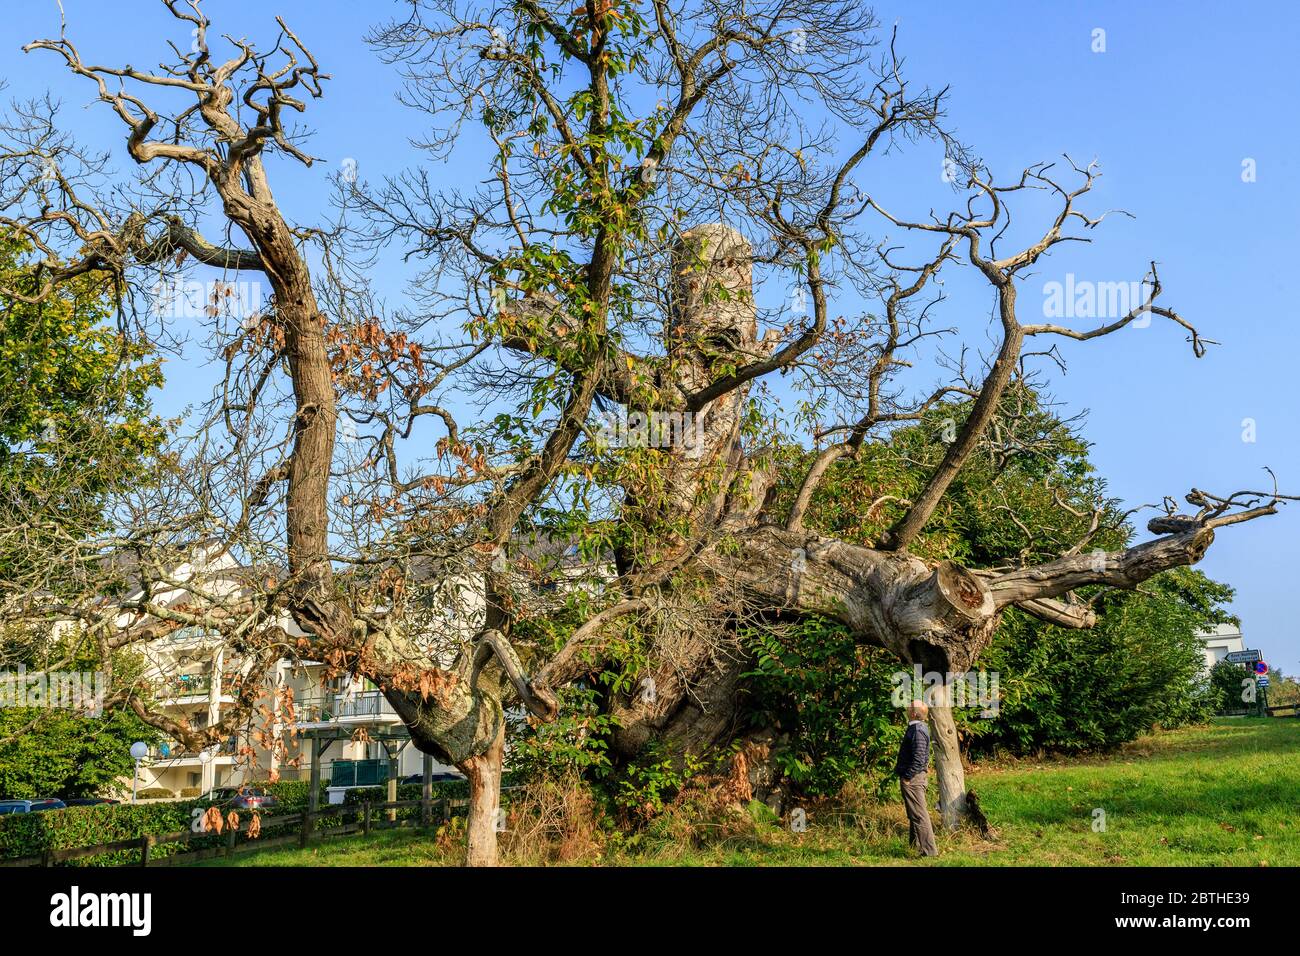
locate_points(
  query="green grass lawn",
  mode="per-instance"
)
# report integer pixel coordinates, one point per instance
(1223, 795)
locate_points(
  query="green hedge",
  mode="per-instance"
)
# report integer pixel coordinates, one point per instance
(407, 791)
(292, 792)
(28, 834)
(446, 789)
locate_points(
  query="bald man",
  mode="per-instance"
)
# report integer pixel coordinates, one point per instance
(913, 759)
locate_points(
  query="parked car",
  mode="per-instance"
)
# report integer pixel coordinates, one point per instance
(48, 803)
(244, 798)
(88, 801)
(15, 806)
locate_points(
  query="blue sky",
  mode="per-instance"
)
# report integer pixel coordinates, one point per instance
(1182, 95)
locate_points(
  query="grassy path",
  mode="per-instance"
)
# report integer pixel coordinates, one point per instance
(1225, 795)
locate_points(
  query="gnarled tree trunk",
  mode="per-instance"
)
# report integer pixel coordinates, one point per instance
(947, 760)
(484, 773)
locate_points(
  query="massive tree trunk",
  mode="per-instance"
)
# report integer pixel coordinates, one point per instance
(941, 617)
(694, 698)
(704, 516)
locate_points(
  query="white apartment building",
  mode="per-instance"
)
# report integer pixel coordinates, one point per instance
(194, 674)
(360, 732)
(190, 670)
(1219, 641)
(358, 738)
(350, 726)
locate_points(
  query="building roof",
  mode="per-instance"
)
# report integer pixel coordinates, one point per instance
(1220, 632)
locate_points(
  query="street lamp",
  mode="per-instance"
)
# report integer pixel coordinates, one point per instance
(205, 758)
(139, 750)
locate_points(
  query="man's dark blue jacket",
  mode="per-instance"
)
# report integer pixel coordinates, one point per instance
(914, 754)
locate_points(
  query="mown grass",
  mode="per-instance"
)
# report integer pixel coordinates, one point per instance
(1223, 795)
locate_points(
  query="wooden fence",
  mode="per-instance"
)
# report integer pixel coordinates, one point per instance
(367, 816)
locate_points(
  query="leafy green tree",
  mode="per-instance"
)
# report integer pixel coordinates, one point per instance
(1060, 689)
(1140, 667)
(76, 426)
(76, 422)
(47, 753)
(829, 700)
(1227, 686)
(62, 752)
(1283, 688)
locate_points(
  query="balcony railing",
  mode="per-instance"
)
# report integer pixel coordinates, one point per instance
(358, 773)
(369, 703)
(189, 685)
(174, 751)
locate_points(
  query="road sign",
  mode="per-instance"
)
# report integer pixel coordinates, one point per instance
(1261, 668)
(1261, 680)
(1243, 657)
